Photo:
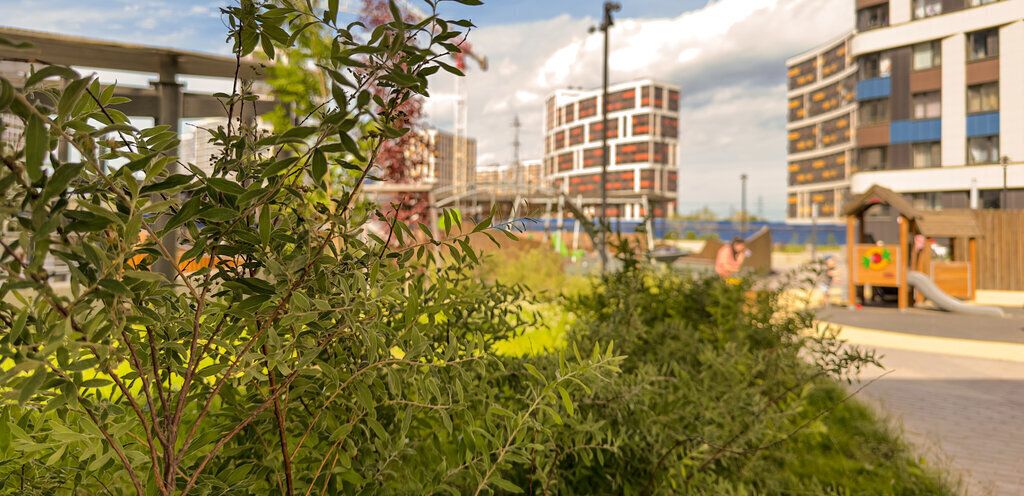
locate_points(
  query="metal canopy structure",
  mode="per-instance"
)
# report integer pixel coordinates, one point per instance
(166, 102)
(72, 50)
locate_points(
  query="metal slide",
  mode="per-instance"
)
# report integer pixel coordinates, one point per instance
(945, 302)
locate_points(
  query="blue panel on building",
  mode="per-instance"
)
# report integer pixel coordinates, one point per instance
(915, 131)
(983, 124)
(873, 88)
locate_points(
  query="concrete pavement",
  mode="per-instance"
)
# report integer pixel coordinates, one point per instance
(955, 385)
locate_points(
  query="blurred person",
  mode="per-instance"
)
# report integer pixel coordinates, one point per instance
(730, 257)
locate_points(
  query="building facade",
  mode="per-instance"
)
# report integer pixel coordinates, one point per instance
(441, 167)
(643, 147)
(527, 173)
(821, 114)
(940, 103)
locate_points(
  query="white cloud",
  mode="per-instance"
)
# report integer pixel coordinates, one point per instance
(728, 57)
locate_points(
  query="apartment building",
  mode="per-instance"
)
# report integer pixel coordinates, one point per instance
(527, 173)
(939, 104)
(821, 115)
(643, 147)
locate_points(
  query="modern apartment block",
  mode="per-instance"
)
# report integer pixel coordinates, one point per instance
(441, 164)
(643, 144)
(821, 115)
(940, 104)
(527, 173)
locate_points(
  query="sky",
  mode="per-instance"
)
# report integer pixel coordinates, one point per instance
(728, 57)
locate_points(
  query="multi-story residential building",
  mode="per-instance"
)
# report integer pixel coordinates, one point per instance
(440, 166)
(643, 137)
(940, 103)
(527, 173)
(822, 112)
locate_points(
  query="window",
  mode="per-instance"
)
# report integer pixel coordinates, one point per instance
(926, 201)
(990, 198)
(983, 150)
(873, 158)
(975, 3)
(983, 44)
(927, 154)
(926, 105)
(873, 17)
(983, 98)
(927, 8)
(874, 65)
(927, 55)
(874, 111)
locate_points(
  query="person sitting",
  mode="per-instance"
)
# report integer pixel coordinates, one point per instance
(730, 257)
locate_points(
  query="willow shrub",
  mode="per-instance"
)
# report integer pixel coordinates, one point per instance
(722, 392)
(283, 349)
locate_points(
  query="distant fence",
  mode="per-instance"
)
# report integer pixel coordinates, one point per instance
(781, 232)
(1000, 250)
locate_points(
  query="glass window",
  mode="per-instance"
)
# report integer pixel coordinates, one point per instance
(927, 105)
(990, 198)
(873, 158)
(983, 44)
(874, 65)
(873, 111)
(983, 98)
(975, 3)
(983, 150)
(873, 17)
(926, 201)
(927, 8)
(927, 55)
(927, 154)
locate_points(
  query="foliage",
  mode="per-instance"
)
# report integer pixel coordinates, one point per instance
(716, 397)
(282, 348)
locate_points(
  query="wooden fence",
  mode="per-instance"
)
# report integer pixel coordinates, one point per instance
(1000, 250)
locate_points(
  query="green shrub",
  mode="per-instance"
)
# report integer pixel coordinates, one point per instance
(716, 396)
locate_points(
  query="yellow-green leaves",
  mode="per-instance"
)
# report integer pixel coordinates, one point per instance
(37, 143)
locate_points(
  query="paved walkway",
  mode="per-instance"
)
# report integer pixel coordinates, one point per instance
(956, 386)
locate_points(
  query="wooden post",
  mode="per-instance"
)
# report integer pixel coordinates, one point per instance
(851, 241)
(924, 265)
(904, 302)
(972, 269)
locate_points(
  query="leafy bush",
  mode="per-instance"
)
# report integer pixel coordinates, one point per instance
(283, 348)
(716, 396)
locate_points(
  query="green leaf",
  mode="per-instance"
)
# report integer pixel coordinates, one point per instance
(18, 327)
(60, 179)
(29, 387)
(170, 183)
(225, 186)
(566, 400)
(37, 142)
(116, 287)
(264, 224)
(504, 484)
(96, 383)
(186, 213)
(72, 93)
(218, 214)
(50, 71)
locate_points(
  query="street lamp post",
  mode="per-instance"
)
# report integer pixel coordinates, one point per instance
(606, 23)
(743, 205)
(1005, 161)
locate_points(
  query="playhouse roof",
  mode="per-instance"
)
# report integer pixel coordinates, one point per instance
(932, 223)
(877, 195)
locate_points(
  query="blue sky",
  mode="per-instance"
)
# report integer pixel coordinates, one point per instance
(728, 56)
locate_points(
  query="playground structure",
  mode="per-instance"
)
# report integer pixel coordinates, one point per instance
(909, 263)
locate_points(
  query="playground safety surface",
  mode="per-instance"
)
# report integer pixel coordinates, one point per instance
(925, 322)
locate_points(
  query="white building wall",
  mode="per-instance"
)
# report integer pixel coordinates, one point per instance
(941, 26)
(954, 100)
(899, 12)
(940, 179)
(1011, 91)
